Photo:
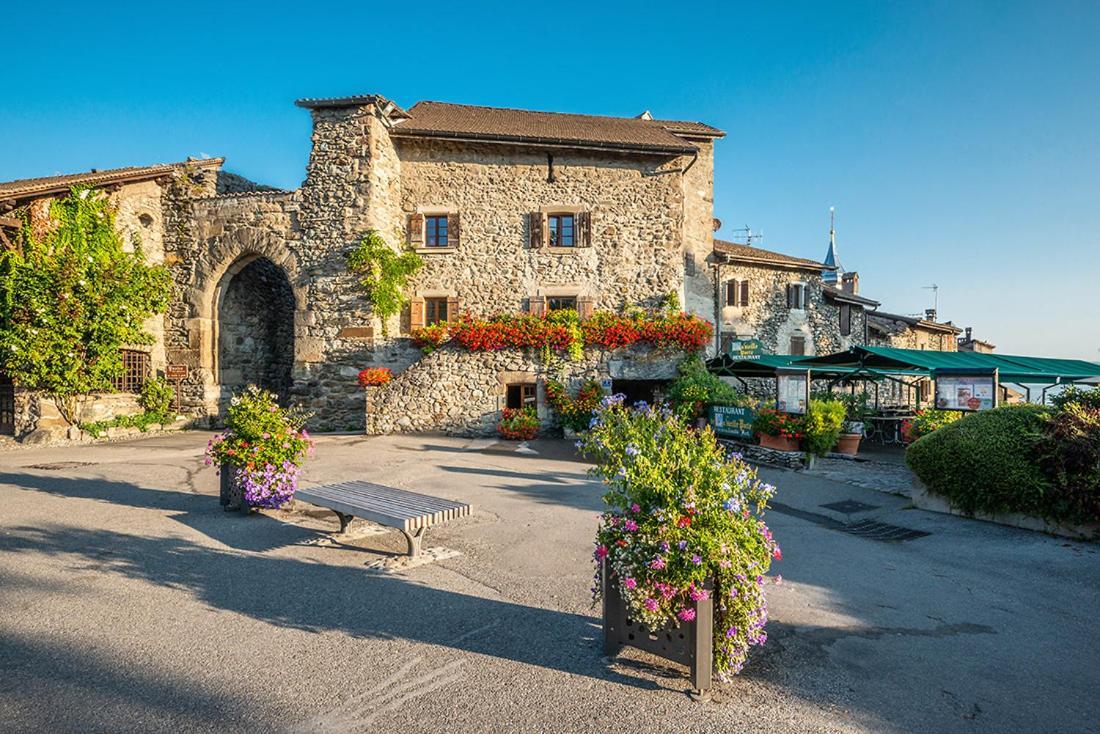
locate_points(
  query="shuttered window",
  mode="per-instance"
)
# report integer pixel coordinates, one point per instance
(731, 292)
(796, 296)
(435, 311)
(737, 292)
(562, 230)
(559, 229)
(845, 319)
(798, 345)
(561, 303)
(435, 231)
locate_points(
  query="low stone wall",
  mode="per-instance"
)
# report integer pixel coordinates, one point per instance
(755, 454)
(37, 418)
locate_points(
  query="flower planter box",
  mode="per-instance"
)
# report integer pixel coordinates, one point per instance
(778, 443)
(848, 443)
(231, 495)
(691, 644)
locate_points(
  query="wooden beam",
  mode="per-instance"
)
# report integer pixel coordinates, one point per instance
(10, 222)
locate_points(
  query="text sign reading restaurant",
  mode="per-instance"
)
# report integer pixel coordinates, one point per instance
(727, 420)
(966, 390)
(746, 349)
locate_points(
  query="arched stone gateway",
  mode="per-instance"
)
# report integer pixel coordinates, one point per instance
(255, 328)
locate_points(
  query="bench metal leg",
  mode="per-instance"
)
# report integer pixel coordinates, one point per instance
(414, 538)
(345, 520)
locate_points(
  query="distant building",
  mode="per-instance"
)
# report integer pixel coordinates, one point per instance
(967, 343)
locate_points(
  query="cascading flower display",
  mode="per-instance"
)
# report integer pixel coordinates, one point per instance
(684, 521)
(264, 446)
(375, 376)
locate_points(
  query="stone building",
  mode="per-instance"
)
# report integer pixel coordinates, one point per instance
(969, 343)
(910, 332)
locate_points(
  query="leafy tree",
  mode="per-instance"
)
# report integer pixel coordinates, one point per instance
(72, 298)
(383, 273)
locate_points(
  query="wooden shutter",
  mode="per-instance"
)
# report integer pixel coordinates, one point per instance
(453, 229)
(790, 295)
(538, 231)
(416, 313)
(744, 299)
(583, 228)
(416, 229)
(452, 308)
(731, 292)
(537, 305)
(586, 306)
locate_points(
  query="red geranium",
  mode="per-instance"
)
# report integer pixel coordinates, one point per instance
(375, 376)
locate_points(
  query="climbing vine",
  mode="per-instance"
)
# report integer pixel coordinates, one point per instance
(71, 297)
(383, 273)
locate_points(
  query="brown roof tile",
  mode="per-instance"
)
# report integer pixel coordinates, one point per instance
(24, 187)
(469, 122)
(747, 253)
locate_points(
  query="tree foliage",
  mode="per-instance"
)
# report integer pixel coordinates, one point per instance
(383, 273)
(72, 298)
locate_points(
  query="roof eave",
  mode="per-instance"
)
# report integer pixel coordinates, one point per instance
(807, 267)
(399, 132)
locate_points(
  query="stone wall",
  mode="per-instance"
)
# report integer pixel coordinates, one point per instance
(37, 418)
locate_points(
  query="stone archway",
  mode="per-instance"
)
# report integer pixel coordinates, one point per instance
(255, 310)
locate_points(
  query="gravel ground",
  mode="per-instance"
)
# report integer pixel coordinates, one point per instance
(130, 602)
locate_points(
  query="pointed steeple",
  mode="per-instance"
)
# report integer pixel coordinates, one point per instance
(831, 258)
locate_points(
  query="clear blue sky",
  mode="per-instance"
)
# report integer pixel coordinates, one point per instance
(959, 141)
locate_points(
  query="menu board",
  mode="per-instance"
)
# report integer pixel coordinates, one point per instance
(966, 392)
(794, 392)
(727, 420)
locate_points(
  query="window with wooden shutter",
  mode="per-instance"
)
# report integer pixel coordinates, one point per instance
(744, 300)
(845, 319)
(731, 292)
(416, 313)
(584, 229)
(562, 230)
(536, 305)
(452, 308)
(416, 229)
(798, 345)
(586, 306)
(454, 227)
(790, 295)
(435, 311)
(796, 296)
(536, 229)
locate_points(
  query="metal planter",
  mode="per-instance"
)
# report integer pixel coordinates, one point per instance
(690, 644)
(231, 495)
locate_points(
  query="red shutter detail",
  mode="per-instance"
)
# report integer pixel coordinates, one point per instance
(416, 229)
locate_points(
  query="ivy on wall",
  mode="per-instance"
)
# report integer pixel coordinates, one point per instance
(71, 297)
(383, 273)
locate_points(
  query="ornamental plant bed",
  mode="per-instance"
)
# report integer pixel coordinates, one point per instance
(778, 443)
(683, 526)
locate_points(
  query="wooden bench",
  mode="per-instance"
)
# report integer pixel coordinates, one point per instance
(409, 512)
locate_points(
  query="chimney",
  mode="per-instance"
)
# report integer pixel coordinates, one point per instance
(850, 283)
(969, 333)
(929, 314)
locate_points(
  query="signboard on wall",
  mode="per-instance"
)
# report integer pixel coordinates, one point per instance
(968, 391)
(745, 349)
(732, 422)
(792, 391)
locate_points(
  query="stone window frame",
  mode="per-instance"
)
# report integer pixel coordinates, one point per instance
(418, 313)
(582, 230)
(805, 305)
(508, 378)
(453, 235)
(539, 304)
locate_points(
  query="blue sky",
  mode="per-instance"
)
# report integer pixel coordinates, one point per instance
(958, 141)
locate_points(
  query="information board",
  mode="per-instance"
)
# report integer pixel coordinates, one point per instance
(968, 392)
(793, 392)
(727, 420)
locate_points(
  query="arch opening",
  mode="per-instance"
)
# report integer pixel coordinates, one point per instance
(256, 329)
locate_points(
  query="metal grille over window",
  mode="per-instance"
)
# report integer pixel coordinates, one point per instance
(135, 371)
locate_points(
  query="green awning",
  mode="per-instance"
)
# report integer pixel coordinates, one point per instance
(766, 365)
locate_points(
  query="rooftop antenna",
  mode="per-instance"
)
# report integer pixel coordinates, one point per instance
(750, 236)
(935, 296)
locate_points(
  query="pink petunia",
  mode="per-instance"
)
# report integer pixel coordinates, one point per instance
(650, 604)
(630, 583)
(687, 614)
(601, 552)
(657, 563)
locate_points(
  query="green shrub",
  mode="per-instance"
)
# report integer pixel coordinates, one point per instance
(157, 396)
(697, 386)
(1073, 395)
(1069, 455)
(927, 421)
(985, 462)
(822, 425)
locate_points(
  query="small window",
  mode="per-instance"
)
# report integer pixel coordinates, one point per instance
(731, 293)
(435, 231)
(561, 303)
(562, 230)
(435, 311)
(845, 319)
(798, 346)
(521, 396)
(796, 296)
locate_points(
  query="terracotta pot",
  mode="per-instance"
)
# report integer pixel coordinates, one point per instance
(848, 443)
(779, 443)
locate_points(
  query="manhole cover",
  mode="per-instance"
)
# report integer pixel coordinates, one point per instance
(58, 466)
(849, 507)
(882, 531)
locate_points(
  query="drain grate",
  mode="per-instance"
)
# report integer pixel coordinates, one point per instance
(61, 465)
(875, 530)
(849, 507)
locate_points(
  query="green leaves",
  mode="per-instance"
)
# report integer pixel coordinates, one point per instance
(72, 299)
(383, 273)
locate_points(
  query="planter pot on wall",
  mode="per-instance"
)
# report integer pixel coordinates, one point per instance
(848, 443)
(691, 644)
(231, 495)
(779, 443)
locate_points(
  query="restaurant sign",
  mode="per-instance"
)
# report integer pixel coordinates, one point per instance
(746, 349)
(732, 422)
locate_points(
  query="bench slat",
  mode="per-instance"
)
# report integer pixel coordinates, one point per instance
(397, 508)
(406, 500)
(401, 508)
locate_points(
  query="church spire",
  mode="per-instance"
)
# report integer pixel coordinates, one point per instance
(831, 258)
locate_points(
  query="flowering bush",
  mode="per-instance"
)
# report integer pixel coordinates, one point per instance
(576, 412)
(429, 338)
(697, 387)
(681, 516)
(510, 331)
(518, 424)
(375, 376)
(264, 445)
(926, 421)
(770, 422)
(667, 330)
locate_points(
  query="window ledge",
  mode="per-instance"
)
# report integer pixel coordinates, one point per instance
(435, 250)
(563, 250)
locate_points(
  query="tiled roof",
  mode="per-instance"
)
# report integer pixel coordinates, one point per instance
(469, 122)
(747, 253)
(22, 188)
(881, 319)
(840, 294)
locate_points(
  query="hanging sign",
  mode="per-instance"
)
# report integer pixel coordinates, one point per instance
(745, 349)
(967, 390)
(792, 391)
(727, 420)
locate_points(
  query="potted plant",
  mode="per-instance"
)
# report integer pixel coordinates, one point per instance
(518, 424)
(576, 412)
(821, 427)
(851, 433)
(260, 453)
(682, 548)
(779, 431)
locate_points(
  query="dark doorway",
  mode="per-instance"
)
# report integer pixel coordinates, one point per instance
(256, 330)
(7, 407)
(648, 390)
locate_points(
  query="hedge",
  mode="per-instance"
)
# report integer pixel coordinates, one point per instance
(985, 462)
